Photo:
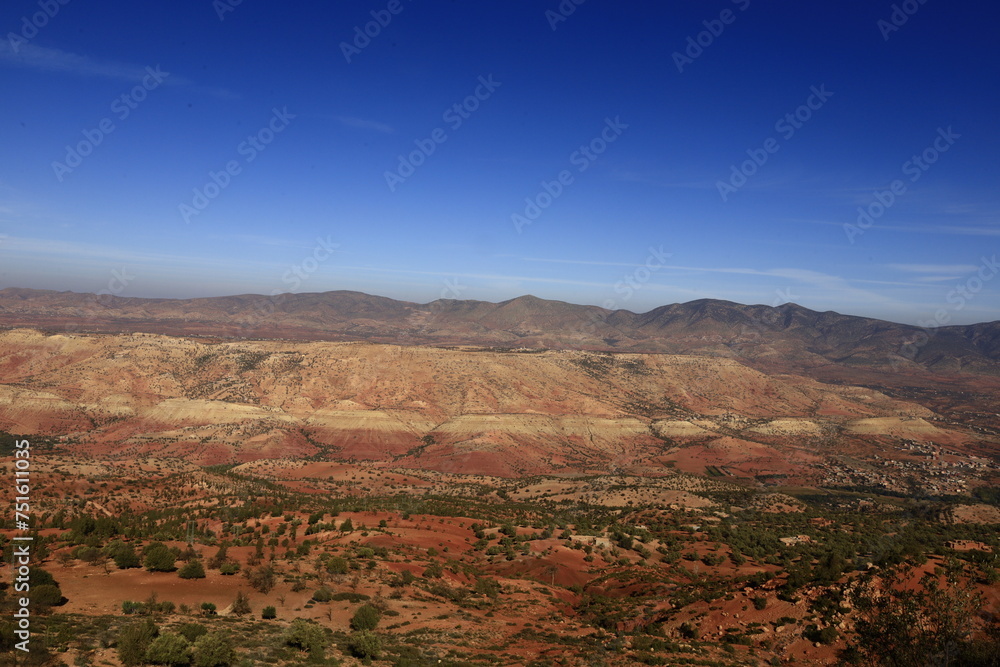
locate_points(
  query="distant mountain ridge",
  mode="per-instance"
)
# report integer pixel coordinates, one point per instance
(787, 335)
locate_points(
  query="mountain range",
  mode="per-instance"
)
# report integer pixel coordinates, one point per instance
(786, 336)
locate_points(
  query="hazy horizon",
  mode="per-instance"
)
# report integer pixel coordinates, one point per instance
(839, 157)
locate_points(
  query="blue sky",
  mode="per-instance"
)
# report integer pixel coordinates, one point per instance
(350, 167)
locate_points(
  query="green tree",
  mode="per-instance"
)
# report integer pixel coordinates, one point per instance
(191, 631)
(158, 558)
(46, 596)
(126, 558)
(347, 526)
(898, 625)
(193, 569)
(365, 644)
(366, 617)
(337, 565)
(306, 636)
(169, 648)
(213, 650)
(134, 640)
(269, 612)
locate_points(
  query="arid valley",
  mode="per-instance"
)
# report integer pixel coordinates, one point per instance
(492, 504)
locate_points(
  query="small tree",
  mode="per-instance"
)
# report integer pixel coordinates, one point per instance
(261, 579)
(169, 649)
(347, 526)
(193, 569)
(159, 559)
(125, 557)
(134, 641)
(208, 608)
(365, 645)
(241, 605)
(213, 650)
(269, 612)
(306, 636)
(366, 617)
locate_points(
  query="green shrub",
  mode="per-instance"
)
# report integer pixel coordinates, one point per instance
(269, 612)
(159, 558)
(306, 636)
(322, 594)
(366, 617)
(134, 641)
(213, 650)
(365, 644)
(193, 569)
(169, 649)
(191, 631)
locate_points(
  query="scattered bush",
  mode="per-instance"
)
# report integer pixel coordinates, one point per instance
(169, 649)
(366, 617)
(365, 644)
(213, 650)
(193, 569)
(306, 636)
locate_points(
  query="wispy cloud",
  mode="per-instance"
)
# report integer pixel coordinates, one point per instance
(55, 60)
(936, 279)
(365, 124)
(933, 268)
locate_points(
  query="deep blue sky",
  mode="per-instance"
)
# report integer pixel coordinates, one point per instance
(447, 230)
